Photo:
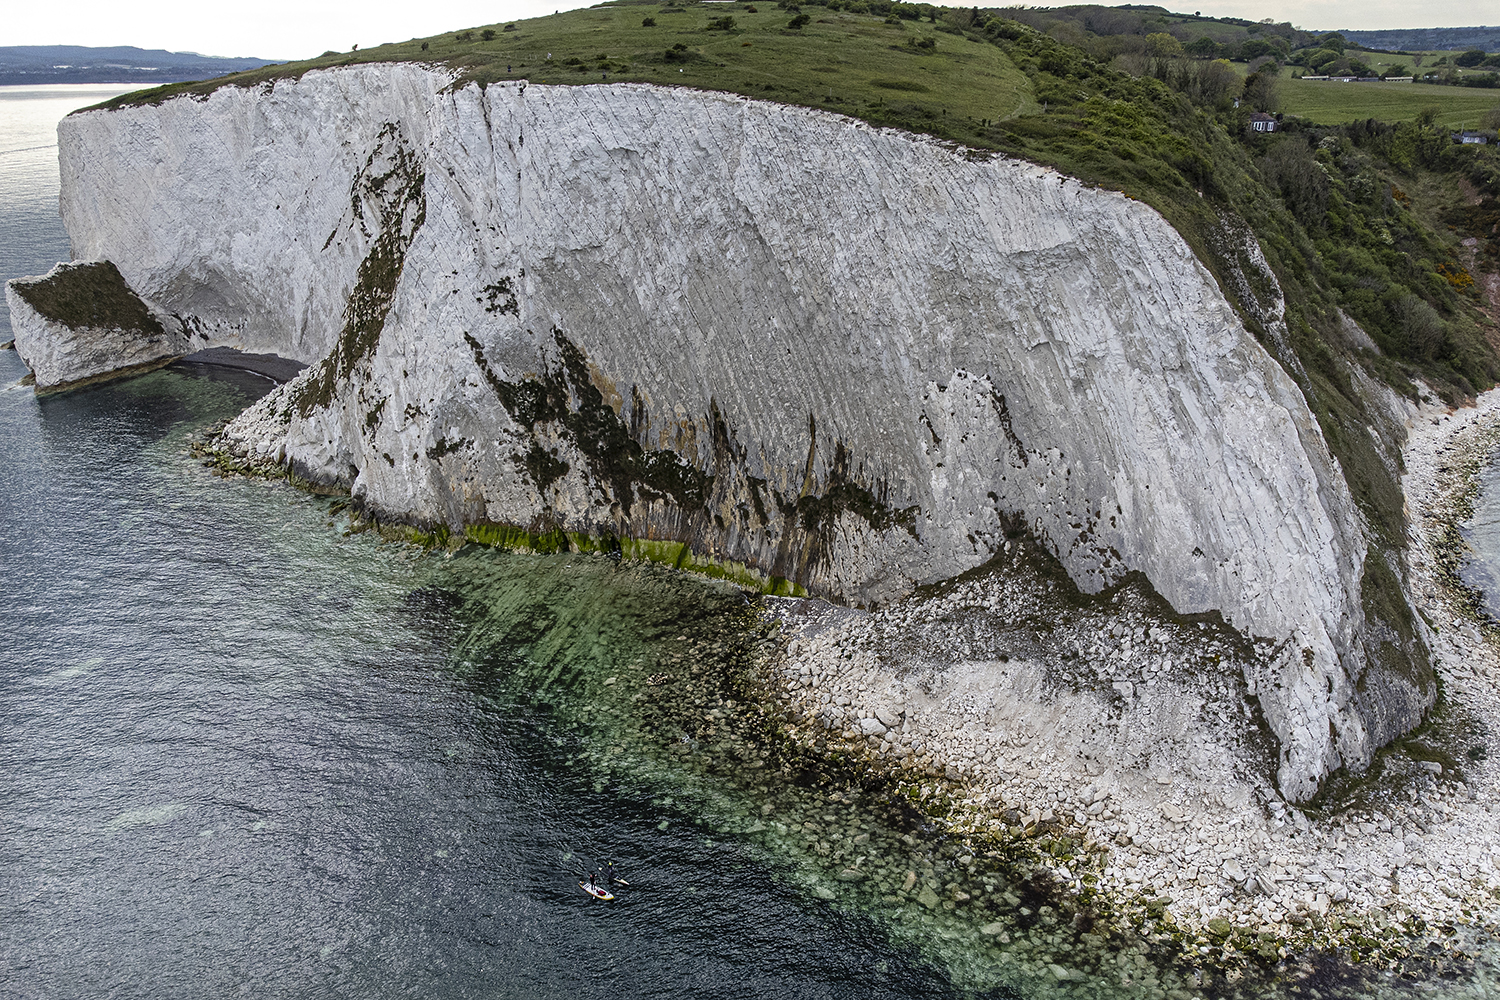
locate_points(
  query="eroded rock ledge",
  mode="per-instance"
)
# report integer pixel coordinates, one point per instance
(852, 358)
(81, 322)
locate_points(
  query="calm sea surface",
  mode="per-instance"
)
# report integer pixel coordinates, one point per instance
(244, 752)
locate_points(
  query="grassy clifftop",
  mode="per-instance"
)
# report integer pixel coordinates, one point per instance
(912, 68)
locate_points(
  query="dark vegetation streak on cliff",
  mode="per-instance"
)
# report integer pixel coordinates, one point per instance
(390, 185)
(789, 538)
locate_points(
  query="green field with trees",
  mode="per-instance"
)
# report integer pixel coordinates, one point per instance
(1330, 103)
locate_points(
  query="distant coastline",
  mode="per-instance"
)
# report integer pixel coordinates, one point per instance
(22, 65)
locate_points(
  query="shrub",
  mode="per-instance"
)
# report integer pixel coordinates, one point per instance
(463, 36)
(1473, 57)
(1420, 325)
(725, 23)
(677, 53)
(648, 22)
(509, 27)
(798, 21)
(488, 34)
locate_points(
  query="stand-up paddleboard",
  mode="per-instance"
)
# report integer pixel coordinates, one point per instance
(597, 892)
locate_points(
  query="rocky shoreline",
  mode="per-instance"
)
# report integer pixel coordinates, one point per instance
(1127, 729)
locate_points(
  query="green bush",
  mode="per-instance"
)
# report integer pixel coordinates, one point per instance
(801, 20)
(725, 23)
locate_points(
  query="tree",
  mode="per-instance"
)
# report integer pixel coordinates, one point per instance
(1254, 47)
(1322, 58)
(1263, 92)
(1159, 44)
(1421, 327)
(488, 34)
(1216, 84)
(1399, 69)
(1289, 167)
(1204, 48)
(1473, 57)
(1334, 41)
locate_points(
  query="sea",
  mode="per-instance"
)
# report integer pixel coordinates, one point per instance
(248, 748)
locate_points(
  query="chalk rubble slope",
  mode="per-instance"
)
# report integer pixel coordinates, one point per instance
(844, 356)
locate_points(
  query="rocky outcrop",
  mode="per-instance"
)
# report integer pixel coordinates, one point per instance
(81, 322)
(848, 357)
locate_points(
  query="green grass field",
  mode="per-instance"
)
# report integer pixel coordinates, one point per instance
(853, 63)
(1329, 103)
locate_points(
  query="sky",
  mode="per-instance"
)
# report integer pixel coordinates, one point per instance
(300, 29)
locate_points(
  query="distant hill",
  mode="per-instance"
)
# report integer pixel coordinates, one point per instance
(23, 64)
(1423, 39)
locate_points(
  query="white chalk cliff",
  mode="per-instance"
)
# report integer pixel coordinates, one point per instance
(845, 356)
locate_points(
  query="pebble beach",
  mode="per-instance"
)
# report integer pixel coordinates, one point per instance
(1126, 727)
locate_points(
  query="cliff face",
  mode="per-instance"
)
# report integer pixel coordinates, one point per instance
(847, 357)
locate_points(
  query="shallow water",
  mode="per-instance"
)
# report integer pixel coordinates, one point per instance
(1482, 531)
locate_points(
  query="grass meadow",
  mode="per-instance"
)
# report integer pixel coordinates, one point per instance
(1329, 103)
(838, 60)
